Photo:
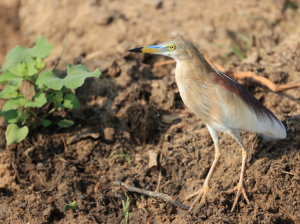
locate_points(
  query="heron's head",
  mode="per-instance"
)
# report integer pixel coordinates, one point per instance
(178, 49)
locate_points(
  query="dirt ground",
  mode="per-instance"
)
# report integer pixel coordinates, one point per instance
(135, 107)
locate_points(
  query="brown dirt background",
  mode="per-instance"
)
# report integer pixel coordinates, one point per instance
(126, 110)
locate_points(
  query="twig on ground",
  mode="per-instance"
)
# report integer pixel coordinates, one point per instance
(267, 167)
(165, 197)
(149, 220)
(287, 172)
(65, 144)
(122, 187)
(16, 171)
(159, 180)
(180, 175)
(164, 184)
(61, 134)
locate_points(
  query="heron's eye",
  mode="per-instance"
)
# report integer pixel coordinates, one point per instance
(172, 47)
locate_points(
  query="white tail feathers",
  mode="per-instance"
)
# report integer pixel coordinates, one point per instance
(277, 132)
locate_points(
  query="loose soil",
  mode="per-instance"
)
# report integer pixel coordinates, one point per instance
(135, 107)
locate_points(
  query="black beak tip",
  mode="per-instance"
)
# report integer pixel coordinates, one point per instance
(139, 49)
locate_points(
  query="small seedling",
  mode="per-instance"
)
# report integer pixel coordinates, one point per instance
(26, 64)
(238, 50)
(126, 210)
(126, 206)
(70, 206)
(144, 196)
(290, 4)
(112, 156)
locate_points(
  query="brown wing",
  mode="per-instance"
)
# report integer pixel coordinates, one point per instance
(253, 104)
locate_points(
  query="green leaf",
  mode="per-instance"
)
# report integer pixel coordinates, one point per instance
(39, 100)
(19, 70)
(11, 116)
(17, 58)
(15, 134)
(77, 74)
(49, 79)
(23, 117)
(71, 101)
(30, 69)
(57, 98)
(42, 48)
(10, 89)
(21, 54)
(49, 98)
(46, 122)
(65, 123)
(8, 76)
(39, 63)
(14, 104)
(14, 57)
(70, 206)
(75, 77)
(68, 90)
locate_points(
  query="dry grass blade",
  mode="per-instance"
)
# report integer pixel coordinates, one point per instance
(16, 171)
(287, 172)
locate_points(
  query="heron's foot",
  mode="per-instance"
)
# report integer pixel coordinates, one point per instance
(201, 193)
(240, 188)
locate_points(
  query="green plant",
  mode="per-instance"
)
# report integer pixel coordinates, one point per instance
(70, 206)
(126, 205)
(26, 64)
(238, 50)
(290, 4)
(112, 156)
(126, 213)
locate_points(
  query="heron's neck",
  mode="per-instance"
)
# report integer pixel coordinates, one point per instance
(193, 67)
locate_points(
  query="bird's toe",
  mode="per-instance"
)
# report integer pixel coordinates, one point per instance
(201, 194)
(239, 189)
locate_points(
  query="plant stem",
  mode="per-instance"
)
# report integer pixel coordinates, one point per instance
(61, 53)
(50, 112)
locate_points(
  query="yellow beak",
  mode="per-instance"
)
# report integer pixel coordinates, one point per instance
(151, 49)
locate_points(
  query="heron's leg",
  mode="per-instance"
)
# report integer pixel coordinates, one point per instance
(205, 188)
(240, 187)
